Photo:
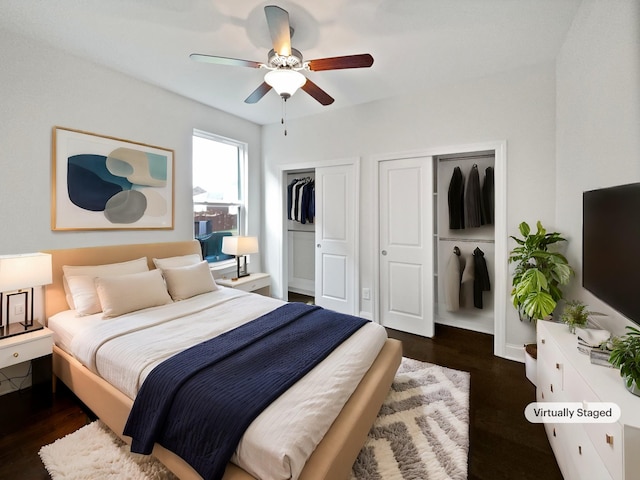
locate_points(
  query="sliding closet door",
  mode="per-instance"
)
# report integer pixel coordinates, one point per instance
(336, 224)
(406, 244)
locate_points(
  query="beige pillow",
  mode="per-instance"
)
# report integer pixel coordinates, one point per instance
(179, 261)
(189, 281)
(92, 271)
(127, 293)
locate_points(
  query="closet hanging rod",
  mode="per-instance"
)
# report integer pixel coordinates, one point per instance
(301, 231)
(475, 240)
(473, 157)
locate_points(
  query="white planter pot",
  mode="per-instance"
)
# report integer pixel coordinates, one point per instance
(531, 367)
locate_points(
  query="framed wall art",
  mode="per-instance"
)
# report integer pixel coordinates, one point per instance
(106, 183)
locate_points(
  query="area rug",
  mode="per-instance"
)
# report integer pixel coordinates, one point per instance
(422, 432)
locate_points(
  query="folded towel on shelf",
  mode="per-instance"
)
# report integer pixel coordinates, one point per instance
(592, 336)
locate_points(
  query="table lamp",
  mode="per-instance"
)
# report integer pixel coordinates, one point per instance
(240, 246)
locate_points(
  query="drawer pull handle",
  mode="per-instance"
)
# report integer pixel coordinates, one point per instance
(579, 449)
(554, 432)
(552, 388)
(557, 366)
(542, 394)
(16, 355)
(609, 439)
(542, 341)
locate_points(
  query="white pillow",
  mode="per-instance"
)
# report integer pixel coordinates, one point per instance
(85, 297)
(85, 290)
(127, 293)
(189, 281)
(179, 261)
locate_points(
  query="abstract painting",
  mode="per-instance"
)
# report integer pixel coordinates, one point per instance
(106, 183)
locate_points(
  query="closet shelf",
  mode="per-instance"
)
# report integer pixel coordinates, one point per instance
(460, 239)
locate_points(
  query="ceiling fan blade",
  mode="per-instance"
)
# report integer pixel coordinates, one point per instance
(234, 62)
(278, 22)
(316, 92)
(258, 93)
(336, 63)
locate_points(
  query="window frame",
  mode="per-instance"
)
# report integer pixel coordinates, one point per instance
(241, 204)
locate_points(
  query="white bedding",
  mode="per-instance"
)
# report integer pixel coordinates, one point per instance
(287, 432)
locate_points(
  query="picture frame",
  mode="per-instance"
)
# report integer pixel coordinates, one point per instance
(100, 182)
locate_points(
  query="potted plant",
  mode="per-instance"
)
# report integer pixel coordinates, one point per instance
(625, 354)
(539, 273)
(575, 314)
(536, 281)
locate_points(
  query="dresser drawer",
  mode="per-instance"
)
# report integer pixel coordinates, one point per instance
(16, 350)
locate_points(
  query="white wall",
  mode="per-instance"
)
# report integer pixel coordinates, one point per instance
(43, 88)
(516, 106)
(598, 119)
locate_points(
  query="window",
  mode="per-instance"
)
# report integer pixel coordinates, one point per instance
(218, 166)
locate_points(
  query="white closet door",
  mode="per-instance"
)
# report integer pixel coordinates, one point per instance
(406, 245)
(335, 262)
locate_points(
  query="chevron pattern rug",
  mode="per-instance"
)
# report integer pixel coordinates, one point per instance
(421, 433)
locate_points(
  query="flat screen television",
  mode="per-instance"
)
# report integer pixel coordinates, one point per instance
(611, 247)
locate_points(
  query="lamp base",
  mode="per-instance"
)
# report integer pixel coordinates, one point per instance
(241, 270)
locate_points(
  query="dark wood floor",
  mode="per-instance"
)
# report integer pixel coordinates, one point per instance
(503, 444)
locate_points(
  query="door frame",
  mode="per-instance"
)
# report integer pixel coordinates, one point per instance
(284, 170)
(501, 250)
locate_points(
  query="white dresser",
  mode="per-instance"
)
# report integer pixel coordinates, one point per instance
(585, 451)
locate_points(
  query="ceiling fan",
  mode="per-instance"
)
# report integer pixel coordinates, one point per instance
(285, 63)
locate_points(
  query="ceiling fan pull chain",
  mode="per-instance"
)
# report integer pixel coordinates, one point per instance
(284, 115)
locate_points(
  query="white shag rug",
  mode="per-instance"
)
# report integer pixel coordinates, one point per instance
(422, 431)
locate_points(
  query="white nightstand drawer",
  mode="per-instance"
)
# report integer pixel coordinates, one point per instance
(256, 282)
(25, 347)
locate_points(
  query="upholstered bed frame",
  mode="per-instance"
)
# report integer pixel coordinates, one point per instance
(333, 457)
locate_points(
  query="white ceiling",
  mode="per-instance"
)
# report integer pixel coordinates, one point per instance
(416, 44)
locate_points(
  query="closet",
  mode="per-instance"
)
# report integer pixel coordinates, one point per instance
(464, 233)
(300, 225)
(320, 258)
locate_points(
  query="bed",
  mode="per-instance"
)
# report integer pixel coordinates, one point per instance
(335, 453)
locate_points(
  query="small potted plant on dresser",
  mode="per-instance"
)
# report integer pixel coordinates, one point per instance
(537, 278)
(625, 354)
(575, 314)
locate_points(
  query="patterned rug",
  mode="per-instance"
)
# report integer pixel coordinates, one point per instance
(422, 429)
(422, 432)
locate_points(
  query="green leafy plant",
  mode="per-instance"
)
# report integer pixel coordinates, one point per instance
(539, 273)
(575, 314)
(625, 355)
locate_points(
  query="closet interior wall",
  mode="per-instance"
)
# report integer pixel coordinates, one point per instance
(301, 247)
(465, 241)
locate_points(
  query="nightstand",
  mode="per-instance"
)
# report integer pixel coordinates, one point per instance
(255, 282)
(35, 346)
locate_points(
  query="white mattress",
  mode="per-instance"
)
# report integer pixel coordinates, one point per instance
(125, 349)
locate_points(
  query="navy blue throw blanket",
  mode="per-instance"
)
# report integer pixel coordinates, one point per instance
(199, 402)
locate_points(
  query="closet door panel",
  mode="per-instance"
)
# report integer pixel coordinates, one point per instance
(335, 257)
(406, 244)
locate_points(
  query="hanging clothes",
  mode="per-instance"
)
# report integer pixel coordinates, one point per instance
(488, 197)
(300, 200)
(481, 281)
(306, 211)
(467, 281)
(452, 283)
(456, 200)
(473, 200)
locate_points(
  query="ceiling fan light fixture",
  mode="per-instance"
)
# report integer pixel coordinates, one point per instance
(285, 81)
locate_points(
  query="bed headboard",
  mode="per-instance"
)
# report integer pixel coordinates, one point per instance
(55, 300)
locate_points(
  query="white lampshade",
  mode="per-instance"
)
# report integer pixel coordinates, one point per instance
(24, 271)
(284, 81)
(239, 246)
